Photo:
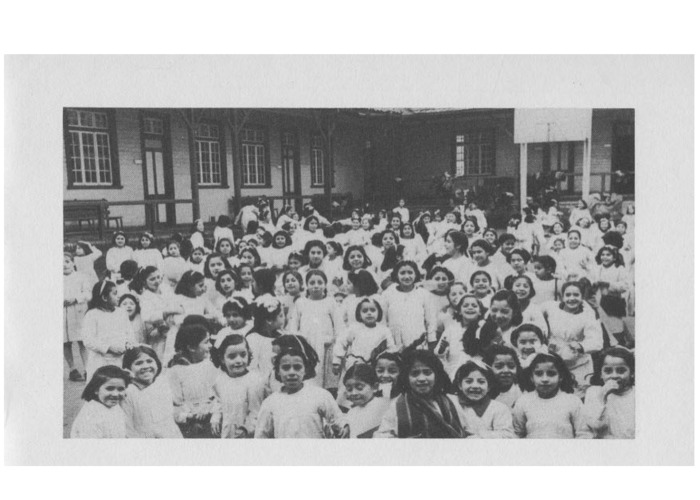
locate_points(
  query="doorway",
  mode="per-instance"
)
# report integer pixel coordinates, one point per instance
(291, 173)
(158, 183)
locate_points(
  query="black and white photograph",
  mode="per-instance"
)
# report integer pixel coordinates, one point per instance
(258, 267)
(349, 273)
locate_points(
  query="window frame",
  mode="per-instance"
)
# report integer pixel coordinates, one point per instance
(312, 150)
(196, 139)
(113, 148)
(455, 144)
(265, 143)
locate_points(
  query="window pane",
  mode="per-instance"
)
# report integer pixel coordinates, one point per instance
(73, 117)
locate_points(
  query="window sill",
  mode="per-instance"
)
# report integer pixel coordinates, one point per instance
(81, 188)
(256, 186)
(225, 186)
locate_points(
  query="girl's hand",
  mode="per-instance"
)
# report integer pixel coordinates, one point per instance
(608, 387)
(442, 345)
(215, 428)
(336, 369)
(344, 432)
(241, 433)
(116, 350)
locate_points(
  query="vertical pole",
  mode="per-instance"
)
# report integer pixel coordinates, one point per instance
(523, 174)
(328, 184)
(235, 161)
(586, 182)
(192, 126)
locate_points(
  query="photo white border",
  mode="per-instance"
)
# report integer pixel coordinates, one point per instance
(659, 88)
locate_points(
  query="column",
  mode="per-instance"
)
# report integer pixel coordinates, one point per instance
(523, 175)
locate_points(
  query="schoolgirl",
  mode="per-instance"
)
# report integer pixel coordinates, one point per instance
(414, 248)
(581, 210)
(102, 416)
(576, 260)
(471, 229)
(223, 230)
(610, 281)
(550, 411)
(147, 254)
(246, 283)
(310, 232)
(195, 262)
(609, 405)
(524, 289)
(491, 237)
(238, 391)
(392, 253)
(192, 377)
(409, 309)
(505, 365)
(293, 285)
(505, 313)
(423, 410)
(131, 305)
(84, 257)
(268, 321)
(278, 253)
(481, 252)
(213, 265)
(518, 260)
(236, 313)
(574, 333)
(483, 416)
(438, 283)
(197, 236)
(174, 266)
(76, 293)
(227, 282)
(148, 405)
(482, 287)
(464, 338)
(106, 329)
(456, 260)
(299, 410)
(225, 248)
(119, 252)
(361, 386)
(360, 284)
(545, 284)
(528, 340)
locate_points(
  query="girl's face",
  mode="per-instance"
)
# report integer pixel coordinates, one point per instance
(113, 297)
(621, 228)
(112, 392)
(294, 264)
(316, 287)
(606, 258)
(292, 285)
(528, 343)
(356, 259)
(120, 241)
(330, 251)
(482, 284)
(315, 257)
(313, 225)
(450, 218)
(407, 276)
(450, 248)
(470, 310)
(246, 275)
(572, 298)
(507, 247)
(580, 205)
(200, 226)
(469, 228)
(517, 263)
(359, 393)
(455, 294)
(355, 223)
(557, 228)
(522, 289)
(292, 372)
(144, 369)
(225, 247)
(388, 241)
(479, 255)
(387, 371)
(365, 224)
(369, 313)
(438, 218)
(604, 224)
(505, 369)
(216, 265)
(173, 250)
(475, 386)
(227, 284)
(546, 378)
(145, 242)
(421, 379)
(407, 232)
(199, 288)
(236, 360)
(68, 265)
(618, 370)
(277, 322)
(585, 223)
(395, 223)
(540, 271)
(280, 241)
(248, 258)
(558, 245)
(129, 306)
(235, 320)
(574, 240)
(197, 256)
(490, 237)
(501, 313)
(153, 281)
(200, 352)
(79, 251)
(441, 282)
(426, 220)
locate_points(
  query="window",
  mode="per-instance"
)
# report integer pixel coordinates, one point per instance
(474, 153)
(90, 149)
(253, 159)
(208, 142)
(317, 161)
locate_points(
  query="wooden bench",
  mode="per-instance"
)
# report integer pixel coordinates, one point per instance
(92, 212)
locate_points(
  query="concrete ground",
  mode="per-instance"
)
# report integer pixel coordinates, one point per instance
(71, 394)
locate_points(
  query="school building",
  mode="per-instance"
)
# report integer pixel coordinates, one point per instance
(167, 167)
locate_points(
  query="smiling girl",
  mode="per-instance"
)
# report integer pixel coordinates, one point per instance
(119, 252)
(361, 384)
(148, 405)
(101, 416)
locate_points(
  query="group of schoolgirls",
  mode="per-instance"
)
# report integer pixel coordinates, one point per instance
(368, 327)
